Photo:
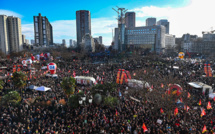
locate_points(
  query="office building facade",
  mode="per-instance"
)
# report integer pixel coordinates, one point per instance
(10, 34)
(152, 37)
(83, 25)
(150, 21)
(164, 23)
(130, 19)
(43, 34)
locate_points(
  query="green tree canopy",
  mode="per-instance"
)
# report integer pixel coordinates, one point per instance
(68, 85)
(12, 97)
(19, 79)
(103, 88)
(1, 84)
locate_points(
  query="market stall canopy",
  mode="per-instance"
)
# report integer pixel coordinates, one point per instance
(42, 88)
(211, 95)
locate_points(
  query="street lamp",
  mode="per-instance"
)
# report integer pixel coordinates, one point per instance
(80, 101)
(90, 99)
(83, 97)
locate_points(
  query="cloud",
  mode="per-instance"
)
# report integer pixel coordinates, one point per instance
(192, 18)
(9, 13)
(28, 30)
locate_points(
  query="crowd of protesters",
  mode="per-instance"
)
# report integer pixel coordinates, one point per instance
(126, 117)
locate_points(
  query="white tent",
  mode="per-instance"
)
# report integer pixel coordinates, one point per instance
(44, 67)
(212, 95)
(33, 87)
(85, 80)
(42, 88)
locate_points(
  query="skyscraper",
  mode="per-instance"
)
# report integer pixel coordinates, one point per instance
(70, 43)
(32, 42)
(100, 39)
(150, 21)
(83, 25)
(130, 19)
(43, 34)
(64, 42)
(164, 23)
(10, 34)
(23, 39)
(4, 34)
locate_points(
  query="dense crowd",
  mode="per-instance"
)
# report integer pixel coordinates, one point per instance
(126, 117)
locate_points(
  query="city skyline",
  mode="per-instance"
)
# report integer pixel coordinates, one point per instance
(182, 15)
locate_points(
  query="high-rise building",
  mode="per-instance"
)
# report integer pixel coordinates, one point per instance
(164, 23)
(10, 34)
(74, 43)
(70, 42)
(26, 41)
(88, 43)
(100, 39)
(43, 34)
(150, 21)
(32, 42)
(4, 39)
(64, 42)
(83, 25)
(23, 39)
(130, 19)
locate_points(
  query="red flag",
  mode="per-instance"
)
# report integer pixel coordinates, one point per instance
(204, 129)
(209, 105)
(116, 113)
(162, 85)
(74, 74)
(214, 98)
(176, 111)
(200, 103)
(188, 95)
(144, 128)
(181, 100)
(41, 55)
(188, 108)
(161, 110)
(203, 113)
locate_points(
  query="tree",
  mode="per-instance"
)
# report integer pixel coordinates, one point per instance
(74, 100)
(103, 88)
(111, 101)
(1, 84)
(68, 85)
(12, 97)
(19, 79)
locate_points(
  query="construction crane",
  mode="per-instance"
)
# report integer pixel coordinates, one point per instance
(209, 32)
